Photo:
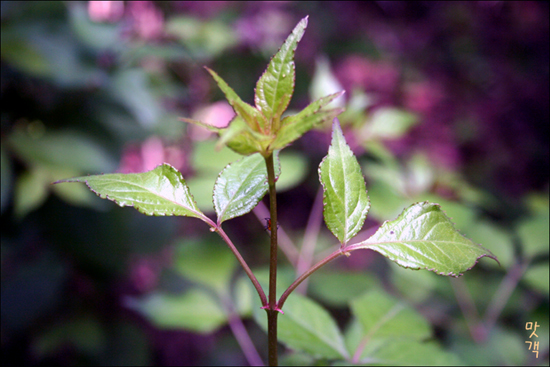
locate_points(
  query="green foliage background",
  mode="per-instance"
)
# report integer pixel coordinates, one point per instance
(441, 104)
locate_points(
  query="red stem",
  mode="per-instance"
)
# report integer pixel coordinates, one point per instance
(302, 277)
(215, 228)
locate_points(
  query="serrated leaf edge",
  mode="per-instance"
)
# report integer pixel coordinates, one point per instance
(216, 185)
(257, 98)
(277, 174)
(202, 124)
(85, 179)
(365, 210)
(250, 114)
(364, 246)
(316, 106)
(280, 143)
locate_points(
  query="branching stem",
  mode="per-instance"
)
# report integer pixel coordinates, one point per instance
(302, 277)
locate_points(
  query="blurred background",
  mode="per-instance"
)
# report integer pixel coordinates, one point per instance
(445, 101)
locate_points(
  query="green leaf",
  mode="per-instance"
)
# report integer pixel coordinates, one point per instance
(291, 132)
(208, 127)
(382, 316)
(33, 187)
(51, 149)
(307, 326)
(240, 186)
(293, 127)
(423, 237)
(503, 347)
(294, 170)
(243, 295)
(399, 352)
(205, 262)
(312, 108)
(396, 350)
(24, 55)
(237, 135)
(77, 195)
(388, 123)
(207, 163)
(537, 277)
(241, 138)
(324, 82)
(345, 200)
(326, 286)
(162, 191)
(462, 215)
(33, 46)
(276, 86)
(206, 160)
(31, 190)
(297, 359)
(534, 235)
(416, 286)
(385, 201)
(201, 187)
(140, 102)
(248, 113)
(194, 310)
(495, 238)
(83, 332)
(98, 35)
(203, 38)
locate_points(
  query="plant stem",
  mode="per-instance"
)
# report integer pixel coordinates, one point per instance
(215, 228)
(272, 311)
(310, 239)
(379, 323)
(238, 329)
(311, 270)
(504, 291)
(284, 242)
(469, 310)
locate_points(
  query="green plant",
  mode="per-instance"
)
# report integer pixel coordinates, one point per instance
(422, 237)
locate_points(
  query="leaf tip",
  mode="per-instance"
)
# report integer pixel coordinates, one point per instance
(212, 72)
(489, 255)
(73, 179)
(336, 129)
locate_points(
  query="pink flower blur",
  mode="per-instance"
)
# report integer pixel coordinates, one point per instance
(151, 153)
(105, 11)
(218, 114)
(148, 20)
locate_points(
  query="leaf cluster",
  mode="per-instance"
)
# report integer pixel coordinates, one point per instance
(262, 128)
(422, 237)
